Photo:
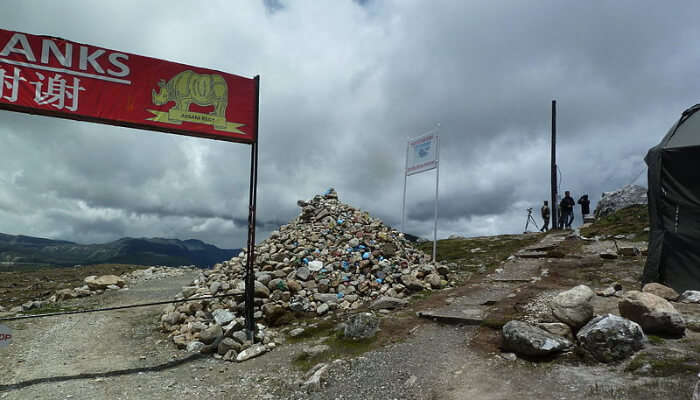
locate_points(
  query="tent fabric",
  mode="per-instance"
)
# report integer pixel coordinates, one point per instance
(674, 206)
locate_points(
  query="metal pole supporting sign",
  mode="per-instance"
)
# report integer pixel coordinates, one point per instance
(252, 199)
(422, 154)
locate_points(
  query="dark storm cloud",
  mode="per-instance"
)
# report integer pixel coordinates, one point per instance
(343, 85)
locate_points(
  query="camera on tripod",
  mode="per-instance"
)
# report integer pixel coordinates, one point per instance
(530, 218)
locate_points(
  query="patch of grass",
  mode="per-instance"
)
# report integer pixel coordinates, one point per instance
(51, 308)
(470, 253)
(318, 329)
(339, 348)
(666, 365)
(655, 340)
(630, 220)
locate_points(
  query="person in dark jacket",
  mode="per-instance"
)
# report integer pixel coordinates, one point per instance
(585, 205)
(567, 211)
(545, 216)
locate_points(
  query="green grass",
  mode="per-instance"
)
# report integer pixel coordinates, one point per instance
(666, 365)
(51, 308)
(630, 220)
(493, 250)
(340, 347)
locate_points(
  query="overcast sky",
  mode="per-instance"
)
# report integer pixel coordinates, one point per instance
(343, 85)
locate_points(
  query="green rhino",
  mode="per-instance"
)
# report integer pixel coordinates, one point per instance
(189, 87)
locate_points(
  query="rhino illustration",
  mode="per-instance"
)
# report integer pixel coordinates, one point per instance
(189, 87)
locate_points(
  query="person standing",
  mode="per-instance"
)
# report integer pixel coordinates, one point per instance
(567, 211)
(585, 206)
(544, 211)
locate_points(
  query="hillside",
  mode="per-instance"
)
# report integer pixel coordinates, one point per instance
(23, 250)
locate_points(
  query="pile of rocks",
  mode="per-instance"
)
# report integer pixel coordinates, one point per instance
(331, 258)
(626, 196)
(605, 338)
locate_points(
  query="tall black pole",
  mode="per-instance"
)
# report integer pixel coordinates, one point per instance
(252, 201)
(554, 216)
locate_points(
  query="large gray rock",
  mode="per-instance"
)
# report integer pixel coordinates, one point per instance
(361, 326)
(660, 290)
(209, 335)
(95, 283)
(195, 346)
(261, 290)
(222, 316)
(573, 307)
(622, 198)
(228, 344)
(388, 303)
(690, 296)
(412, 282)
(525, 339)
(608, 338)
(303, 273)
(251, 352)
(653, 313)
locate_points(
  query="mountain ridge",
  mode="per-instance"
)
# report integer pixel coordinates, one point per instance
(22, 249)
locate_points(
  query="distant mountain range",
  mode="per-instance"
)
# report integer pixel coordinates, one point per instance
(142, 251)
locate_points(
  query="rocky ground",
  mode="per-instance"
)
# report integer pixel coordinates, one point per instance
(454, 350)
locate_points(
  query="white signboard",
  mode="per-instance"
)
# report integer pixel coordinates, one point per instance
(5, 335)
(421, 154)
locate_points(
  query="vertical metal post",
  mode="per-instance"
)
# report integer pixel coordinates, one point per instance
(252, 201)
(437, 182)
(405, 177)
(554, 216)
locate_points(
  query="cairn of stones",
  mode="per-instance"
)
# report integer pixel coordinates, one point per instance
(332, 258)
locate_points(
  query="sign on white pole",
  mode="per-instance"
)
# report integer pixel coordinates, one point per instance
(422, 154)
(5, 335)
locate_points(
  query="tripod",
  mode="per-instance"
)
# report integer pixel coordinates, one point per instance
(530, 218)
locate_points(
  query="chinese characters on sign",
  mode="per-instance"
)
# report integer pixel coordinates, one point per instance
(56, 91)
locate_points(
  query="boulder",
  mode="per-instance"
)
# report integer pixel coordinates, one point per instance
(209, 335)
(690, 296)
(525, 339)
(222, 317)
(653, 313)
(251, 352)
(261, 290)
(361, 326)
(97, 283)
(387, 302)
(411, 282)
(660, 290)
(573, 307)
(226, 345)
(608, 338)
(626, 196)
(303, 273)
(195, 346)
(273, 313)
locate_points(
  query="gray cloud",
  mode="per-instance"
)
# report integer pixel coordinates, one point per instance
(342, 88)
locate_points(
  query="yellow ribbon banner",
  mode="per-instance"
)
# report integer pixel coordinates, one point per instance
(177, 117)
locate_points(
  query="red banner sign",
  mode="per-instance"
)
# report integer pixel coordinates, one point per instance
(56, 77)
